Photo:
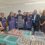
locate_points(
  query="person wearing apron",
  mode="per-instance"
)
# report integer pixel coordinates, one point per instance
(1, 27)
(25, 19)
(29, 22)
(12, 22)
(3, 21)
(15, 19)
(20, 20)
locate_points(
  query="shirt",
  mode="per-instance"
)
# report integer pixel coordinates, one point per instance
(34, 17)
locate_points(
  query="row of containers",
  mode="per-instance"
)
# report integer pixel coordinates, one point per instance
(26, 39)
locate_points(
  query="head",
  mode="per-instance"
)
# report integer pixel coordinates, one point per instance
(24, 13)
(27, 13)
(19, 11)
(2, 14)
(35, 12)
(43, 12)
(11, 14)
(14, 14)
(30, 14)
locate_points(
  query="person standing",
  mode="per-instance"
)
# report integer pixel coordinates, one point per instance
(29, 22)
(42, 22)
(20, 20)
(11, 21)
(15, 15)
(3, 21)
(1, 26)
(36, 21)
(25, 19)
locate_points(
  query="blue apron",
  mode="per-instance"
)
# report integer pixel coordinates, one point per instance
(29, 22)
(4, 22)
(20, 21)
(12, 23)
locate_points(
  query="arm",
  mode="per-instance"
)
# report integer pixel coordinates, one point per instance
(0, 24)
(42, 23)
(1, 27)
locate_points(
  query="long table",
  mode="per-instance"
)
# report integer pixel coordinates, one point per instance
(26, 38)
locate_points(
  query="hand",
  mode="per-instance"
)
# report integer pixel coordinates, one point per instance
(1, 28)
(41, 24)
(44, 22)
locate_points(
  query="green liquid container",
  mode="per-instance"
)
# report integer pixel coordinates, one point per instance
(11, 40)
(2, 36)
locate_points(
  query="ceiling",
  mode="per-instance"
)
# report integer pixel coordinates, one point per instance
(17, 1)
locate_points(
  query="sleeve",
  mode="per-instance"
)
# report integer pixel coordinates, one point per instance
(7, 21)
(0, 19)
(41, 19)
(17, 16)
(0, 24)
(22, 17)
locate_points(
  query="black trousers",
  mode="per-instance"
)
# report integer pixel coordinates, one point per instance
(36, 27)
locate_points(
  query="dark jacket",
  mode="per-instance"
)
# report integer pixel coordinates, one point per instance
(37, 20)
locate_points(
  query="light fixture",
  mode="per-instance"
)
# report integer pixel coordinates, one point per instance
(39, 2)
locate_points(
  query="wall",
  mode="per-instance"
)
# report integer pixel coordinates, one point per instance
(24, 7)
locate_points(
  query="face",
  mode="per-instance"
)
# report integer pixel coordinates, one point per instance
(2, 14)
(30, 14)
(24, 13)
(11, 14)
(14, 14)
(44, 12)
(35, 12)
(19, 12)
(27, 13)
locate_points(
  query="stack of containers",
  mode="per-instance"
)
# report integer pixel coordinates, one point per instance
(15, 40)
(2, 36)
(8, 39)
(20, 23)
(27, 34)
(11, 40)
(25, 38)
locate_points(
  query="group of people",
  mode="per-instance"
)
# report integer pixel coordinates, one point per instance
(25, 21)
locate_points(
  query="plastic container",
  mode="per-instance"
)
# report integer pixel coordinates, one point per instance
(2, 36)
(11, 40)
(27, 34)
